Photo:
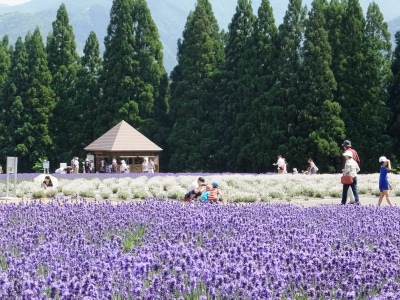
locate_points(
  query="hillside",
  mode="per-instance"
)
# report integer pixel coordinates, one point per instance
(169, 15)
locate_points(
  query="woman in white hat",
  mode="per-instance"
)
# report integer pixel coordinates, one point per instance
(351, 168)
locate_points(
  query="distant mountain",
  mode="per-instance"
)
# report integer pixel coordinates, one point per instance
(169, 15)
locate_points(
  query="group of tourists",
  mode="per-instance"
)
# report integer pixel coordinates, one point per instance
(350, 169)
(199, 190)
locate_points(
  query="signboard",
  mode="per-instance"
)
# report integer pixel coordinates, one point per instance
(12, 168)
(46, 166)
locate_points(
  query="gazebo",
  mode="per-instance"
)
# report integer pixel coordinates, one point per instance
(123, 142)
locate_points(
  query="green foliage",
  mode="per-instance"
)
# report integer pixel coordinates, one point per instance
(38, 166)
(38, 194)
(87, 194)
(319, 125)
(63, 65)
(87, 96)
(28, 102)
(120, 67)
(235, 92)
(134, 238)
(200, 55)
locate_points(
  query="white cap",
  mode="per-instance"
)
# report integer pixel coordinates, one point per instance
(382, 159)
(348, 153)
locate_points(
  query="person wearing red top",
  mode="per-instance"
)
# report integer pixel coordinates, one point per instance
(347, 147)
(213, 197)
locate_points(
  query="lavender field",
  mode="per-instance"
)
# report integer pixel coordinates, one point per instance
(158, 249)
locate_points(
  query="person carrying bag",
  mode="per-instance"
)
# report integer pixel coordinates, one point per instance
(349, 178)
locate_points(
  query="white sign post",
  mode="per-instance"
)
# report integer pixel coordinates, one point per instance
(12, 167)
(46, 166)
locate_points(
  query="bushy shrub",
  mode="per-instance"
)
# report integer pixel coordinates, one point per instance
(123, 195)
(87, 194)
(50, 193)
(38, 194)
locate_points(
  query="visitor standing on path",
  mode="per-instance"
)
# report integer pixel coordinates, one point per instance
(151, 165)
(351, 168)
(347, 147)
(281, 165)
(384, 185)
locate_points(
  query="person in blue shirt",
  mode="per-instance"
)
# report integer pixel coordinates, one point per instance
(384, 185)
(206, 194)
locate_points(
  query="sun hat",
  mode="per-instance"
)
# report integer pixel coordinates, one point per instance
(346, 143)
(208, 187)
(348, 153)
(215, 184)
(382, 159)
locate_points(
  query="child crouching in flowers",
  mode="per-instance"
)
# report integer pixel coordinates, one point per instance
(384, 184)
(206, 194)
(214, 193)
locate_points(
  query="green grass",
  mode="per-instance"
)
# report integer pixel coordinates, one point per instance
(3, 263)
(134, 238)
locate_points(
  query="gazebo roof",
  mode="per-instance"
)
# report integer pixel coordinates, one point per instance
(122, 137)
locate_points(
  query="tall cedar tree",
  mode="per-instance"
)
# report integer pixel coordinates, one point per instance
(259, 74)
(319, 127)
(87, 93)
(9, 91)
(151, 81)
(394, 100)
(119, 100)
(377, 76)
(233, 86)
(349, 73)
(34, 101)
(63, 65)
(283, 115)
(200, 55)
(4, 62)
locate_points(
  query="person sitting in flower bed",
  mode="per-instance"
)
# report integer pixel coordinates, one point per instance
(214, 192)
(195, 189)
(47, 182)
(205, 196)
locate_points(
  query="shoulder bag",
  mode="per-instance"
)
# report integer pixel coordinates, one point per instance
(347, 179)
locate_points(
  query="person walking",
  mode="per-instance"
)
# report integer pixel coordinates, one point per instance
(347, 147)
(384, 185)
(280, 164)
(351, 168)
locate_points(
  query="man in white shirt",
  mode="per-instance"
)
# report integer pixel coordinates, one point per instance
(195, 189)
(280, 164)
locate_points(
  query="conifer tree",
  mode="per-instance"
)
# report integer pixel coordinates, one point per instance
(13, 93)
(200, 55)
(87, 94)
(119, 101)
(258, 67)
(319, 127)
(377, 76)
(394, 99)
(151, 80)
(283, 115)
(63, 65)
(33, 99)
(4, 62)
(233, 88)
